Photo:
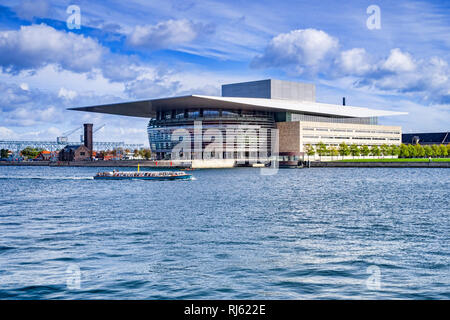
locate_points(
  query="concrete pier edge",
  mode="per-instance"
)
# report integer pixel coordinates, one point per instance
(187, 164)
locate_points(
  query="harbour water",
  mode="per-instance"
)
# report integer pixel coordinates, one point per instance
(334, 233)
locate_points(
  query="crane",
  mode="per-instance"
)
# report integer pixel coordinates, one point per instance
(65, 136)
(82, 137)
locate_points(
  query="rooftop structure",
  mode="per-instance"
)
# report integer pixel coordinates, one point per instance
(150, 108)
(271, 89)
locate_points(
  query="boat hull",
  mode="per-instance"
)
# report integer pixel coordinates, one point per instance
(184, 177)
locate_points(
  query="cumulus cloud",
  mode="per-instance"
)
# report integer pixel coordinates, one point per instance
(67, 94)
(399, 61)
(119, 68)
(310, 51)
(24, 86)
(305, 48)
(401, 73)
(168, 34)
(26, 116)
(151, 88)
(35, 46)
(14, 95)
(25, 108)
(354, 61)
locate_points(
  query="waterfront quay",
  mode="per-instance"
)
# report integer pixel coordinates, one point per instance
(205, 165)
(380, 164)
(99, 163)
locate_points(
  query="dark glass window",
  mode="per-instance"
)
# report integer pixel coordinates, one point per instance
(210, 113)
(167, 114)
(179, 114)
(193, 113)
(230, 113)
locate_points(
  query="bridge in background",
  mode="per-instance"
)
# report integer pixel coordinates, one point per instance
(53, 145)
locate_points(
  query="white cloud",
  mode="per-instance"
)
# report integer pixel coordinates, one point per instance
(67, 94)
(399, 61)
(24, 86)
(311, 51)
(52, 78)
(121, 69)
(167, 34)
(26, 117)
(35, 46)
(354, 61)
(400, 73)
(305, 48)
(151, 88)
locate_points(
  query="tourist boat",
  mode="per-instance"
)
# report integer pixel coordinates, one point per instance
(146, 175)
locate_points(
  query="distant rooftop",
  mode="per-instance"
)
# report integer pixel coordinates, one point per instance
(426, 138)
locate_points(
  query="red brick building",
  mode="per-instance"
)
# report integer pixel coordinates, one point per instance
(75, 153)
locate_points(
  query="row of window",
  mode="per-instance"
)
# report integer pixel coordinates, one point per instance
(350, 138)
(209, 113)
(311, 118)
(350, 130)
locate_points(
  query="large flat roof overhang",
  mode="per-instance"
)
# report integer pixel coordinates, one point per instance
(148, 108)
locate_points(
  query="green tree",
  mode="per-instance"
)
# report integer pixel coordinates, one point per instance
(385, 150)
(436, 150)
(310, 150)
(395, 150)
(375, 151)
(428, 151)
(448, 149)
(420, 152)
(4, 153)
(354, 150)
(30, 152)
(147, 154)
(333, 152)
(443, 149)
(344, 150)
(365, 151)
(321, 149)
(142, 152)
(404, 151)
(412, 151)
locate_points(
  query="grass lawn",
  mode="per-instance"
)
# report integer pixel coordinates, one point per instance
(398, 160)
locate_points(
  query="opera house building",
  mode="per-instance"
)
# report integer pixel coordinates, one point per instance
(240, 124)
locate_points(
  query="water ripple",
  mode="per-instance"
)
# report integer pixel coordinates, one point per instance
(228, 234)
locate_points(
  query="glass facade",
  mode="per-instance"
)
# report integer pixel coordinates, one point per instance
(244, 134)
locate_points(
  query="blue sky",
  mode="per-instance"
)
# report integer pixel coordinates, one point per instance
(127, 50)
